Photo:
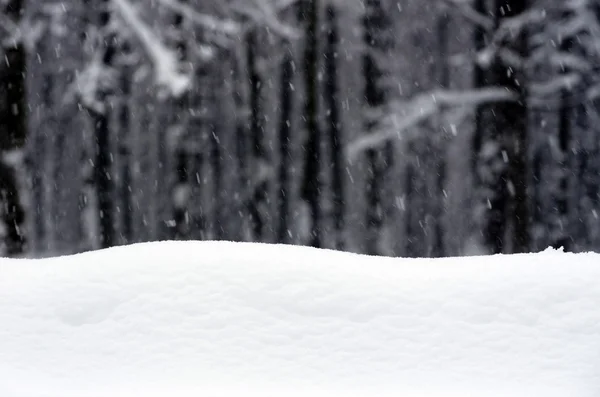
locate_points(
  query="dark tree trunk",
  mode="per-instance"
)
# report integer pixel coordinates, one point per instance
(411, 234)
(102, 179)
(537, 199)
(443, 75)
(229, 222)
(215, 158)
(581, 232)
(311, 183)
(45, 127)
(592, 179)
(102, 143)
(287, 76)
(333, 126)
(479, 81)
(200, 151)
(501, 139)
(125, 196)
(515, 124)
(59, 245)
(260, 186)
(13, 131)
(180, 214)
(242, 146)
(13, 212)
(376, 40)
(574, 145)
(39, 232)
(181, 182)
(197, 216)
(416, 191)
(162, 212)
(560, 236)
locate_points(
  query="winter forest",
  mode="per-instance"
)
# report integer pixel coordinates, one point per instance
(416, 128)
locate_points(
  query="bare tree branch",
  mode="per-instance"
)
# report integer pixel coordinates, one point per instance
(166, 68)
(265, 13)
(405, 115)
(225, 26)
(470, 14)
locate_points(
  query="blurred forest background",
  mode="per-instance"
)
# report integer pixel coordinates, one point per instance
(388, 127)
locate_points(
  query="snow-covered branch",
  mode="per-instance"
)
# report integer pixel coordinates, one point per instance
(565, 81)
(93, 79)
(26, 32)
(405, 115)
(225, 26)
(10, 29)
(166, 65)
(261, 11)
(470, 14)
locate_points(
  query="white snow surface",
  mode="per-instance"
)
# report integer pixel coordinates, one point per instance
(227, 319)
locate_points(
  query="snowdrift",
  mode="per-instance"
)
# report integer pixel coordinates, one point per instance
(211, 319)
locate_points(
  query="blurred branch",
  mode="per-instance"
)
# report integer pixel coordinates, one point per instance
(264, 13)
(7, 26)
(166, 65)
(561, 82)
(404, 115)
(259, 11)
(225, 26)
(470, 14)
(25, 32)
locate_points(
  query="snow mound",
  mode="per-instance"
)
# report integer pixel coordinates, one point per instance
(209, 319)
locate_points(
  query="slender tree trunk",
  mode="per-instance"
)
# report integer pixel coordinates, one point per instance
(560, 237)
(216, 137)
(538, 220)
(592, 180)
(87, 197)
(228, 189)
(242, 145)
(13, 132)
(311, 183)
(411, 234)
(582, 143)
(287, 76)
(162, 210)
(103, 182)
(516, 124)
(44, 128)
(197, 215)
(58, 150)
(333, 126)
(502, 142)
(124, 149)
(437, 247)
(376, 40)
(180, 213)
(181, 181)
(479, 81)
(581, 232)
(67, 142)
(102, 143)
(260, 186)
(13, 212)
(199, 147)
(416, 189)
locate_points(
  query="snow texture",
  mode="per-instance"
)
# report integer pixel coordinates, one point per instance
(190, 319)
